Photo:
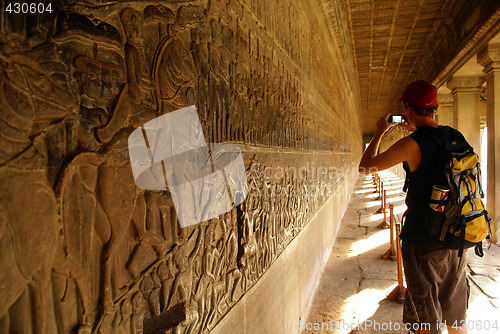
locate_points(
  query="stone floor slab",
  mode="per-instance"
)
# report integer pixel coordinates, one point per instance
(351, 295)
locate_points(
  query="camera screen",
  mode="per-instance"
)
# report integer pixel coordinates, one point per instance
(397, 119)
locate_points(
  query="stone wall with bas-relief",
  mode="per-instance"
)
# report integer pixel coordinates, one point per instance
(82, 248)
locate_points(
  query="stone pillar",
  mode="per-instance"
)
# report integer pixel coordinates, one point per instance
(445, 111)
(466, 110)
(489, 57)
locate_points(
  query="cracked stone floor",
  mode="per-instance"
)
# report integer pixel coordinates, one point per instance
(351, 294)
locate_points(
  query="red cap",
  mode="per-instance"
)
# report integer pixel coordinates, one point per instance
(420, 94)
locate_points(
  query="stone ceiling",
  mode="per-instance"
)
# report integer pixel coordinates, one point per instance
(398, 41)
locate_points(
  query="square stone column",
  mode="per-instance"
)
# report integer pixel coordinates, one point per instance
(489, 57)
(445, 111)
(466, 107)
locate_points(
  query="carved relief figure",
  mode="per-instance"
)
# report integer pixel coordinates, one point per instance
(185, 252)
(86, 232)
(98, 81)
(31, 103)
(135, 102)
(173, 69)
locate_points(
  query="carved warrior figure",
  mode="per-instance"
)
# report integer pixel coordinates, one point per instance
(173, 70)
(98, 81)
(135, 103)
(102, 210)
(31, 106)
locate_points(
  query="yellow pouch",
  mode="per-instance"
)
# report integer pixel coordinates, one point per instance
(477, 229)
(467, 162)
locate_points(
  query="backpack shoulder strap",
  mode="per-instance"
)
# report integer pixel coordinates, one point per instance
(439, 140)
(457, 145)
(435, 136)
(442, 154)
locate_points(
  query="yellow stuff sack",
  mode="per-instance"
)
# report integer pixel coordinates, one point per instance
(477, 229)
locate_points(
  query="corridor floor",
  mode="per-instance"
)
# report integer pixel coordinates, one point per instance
(351, 295)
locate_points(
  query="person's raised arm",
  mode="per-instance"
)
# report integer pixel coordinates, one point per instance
(405, 149)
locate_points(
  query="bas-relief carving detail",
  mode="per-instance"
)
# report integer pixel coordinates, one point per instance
(82, 249)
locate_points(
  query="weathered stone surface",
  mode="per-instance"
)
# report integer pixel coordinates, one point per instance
(82, 248)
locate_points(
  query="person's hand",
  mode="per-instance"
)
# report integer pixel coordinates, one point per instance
(383, 125)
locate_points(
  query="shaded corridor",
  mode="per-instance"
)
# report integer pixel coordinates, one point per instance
(351, 295)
